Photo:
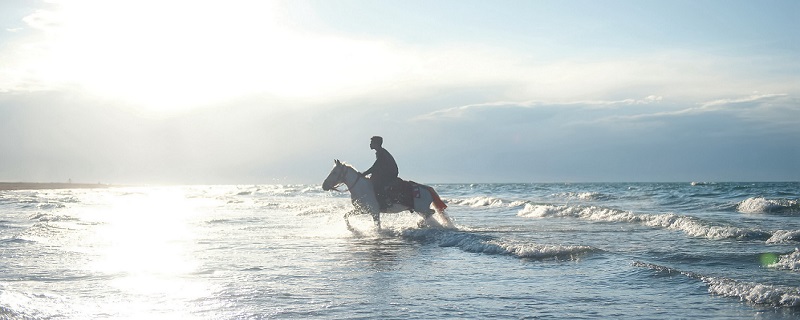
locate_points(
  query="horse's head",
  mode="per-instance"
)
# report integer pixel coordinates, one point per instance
(335, 177)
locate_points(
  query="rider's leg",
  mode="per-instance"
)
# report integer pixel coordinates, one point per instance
(380, 192)
(381, 197)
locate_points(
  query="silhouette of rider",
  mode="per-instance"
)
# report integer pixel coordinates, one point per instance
(384, 170)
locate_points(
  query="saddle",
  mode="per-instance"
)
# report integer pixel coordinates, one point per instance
(402, 192)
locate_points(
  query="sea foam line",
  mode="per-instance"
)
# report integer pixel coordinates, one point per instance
(484, 201)
(485, 244)
(751, 292)
(689, 225)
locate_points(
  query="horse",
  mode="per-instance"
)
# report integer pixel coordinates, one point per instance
(420, 198)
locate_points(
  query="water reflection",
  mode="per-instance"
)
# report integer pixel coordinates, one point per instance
(145, 243)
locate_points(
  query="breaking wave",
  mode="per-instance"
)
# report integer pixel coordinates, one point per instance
(474, 243)
(789, 261)
(764, 205)
(583, 196)
(781, 236)
(689, 225)
(44, 217)
(484, 202)
(751, 292)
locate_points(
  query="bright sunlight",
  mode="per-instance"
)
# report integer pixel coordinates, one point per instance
(147, 243)
(168, 57)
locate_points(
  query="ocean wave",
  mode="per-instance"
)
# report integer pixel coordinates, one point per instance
(764, 205)
(583, 196)
(701, 183)
(789, 261)
(8, 313)
(474, 243)
(37, 205)
(40, 231)
(750, 292)
(689, 225)
(771, 295)
(44, 217)
(15, 240)
(782, 236)
(486, 202)
(478, 202)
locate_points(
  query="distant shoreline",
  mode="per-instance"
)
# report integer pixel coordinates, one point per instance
(49, 185)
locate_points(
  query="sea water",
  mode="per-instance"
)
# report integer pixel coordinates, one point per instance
(534, 251)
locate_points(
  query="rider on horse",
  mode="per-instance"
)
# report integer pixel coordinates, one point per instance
(384, 171)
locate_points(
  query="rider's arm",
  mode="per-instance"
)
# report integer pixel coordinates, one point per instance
(368, 170)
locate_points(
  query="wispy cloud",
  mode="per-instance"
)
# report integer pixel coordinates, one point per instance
(762, 107)
(733, 101)
(466, 110)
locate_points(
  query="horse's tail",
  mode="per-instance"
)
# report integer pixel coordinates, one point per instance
(437, 201)
(439, 205)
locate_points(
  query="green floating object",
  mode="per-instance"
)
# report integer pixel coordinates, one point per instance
(768, 259)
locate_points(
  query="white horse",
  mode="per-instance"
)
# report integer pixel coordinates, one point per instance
(362, 195)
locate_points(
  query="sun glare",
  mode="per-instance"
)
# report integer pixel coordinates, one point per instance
(168, 57)
(163, 55)
(147, 246)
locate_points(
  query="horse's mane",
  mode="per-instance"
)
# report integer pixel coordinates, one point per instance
(348, 165)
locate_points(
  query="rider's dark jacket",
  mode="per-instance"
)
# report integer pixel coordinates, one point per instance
(384, 170)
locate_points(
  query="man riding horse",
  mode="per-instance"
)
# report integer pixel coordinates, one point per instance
(384, 171)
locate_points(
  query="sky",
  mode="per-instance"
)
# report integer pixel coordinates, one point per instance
(263, 92)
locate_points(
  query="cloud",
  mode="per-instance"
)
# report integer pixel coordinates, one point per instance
(168, 56)
(776, 109)
(773, 110)
(472, 109)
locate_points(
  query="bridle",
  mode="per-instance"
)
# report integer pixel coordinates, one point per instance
(342, 177)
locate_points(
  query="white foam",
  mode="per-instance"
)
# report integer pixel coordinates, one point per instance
(790, 261)
(45, 217)
(540, 251)
(781, 236)
(588, 213)
(772, 295)
(764, 205)
(475, 243)
(583, 196)
(478, 202)
(689, 225)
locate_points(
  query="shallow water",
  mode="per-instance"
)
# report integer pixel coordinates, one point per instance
(545, 251)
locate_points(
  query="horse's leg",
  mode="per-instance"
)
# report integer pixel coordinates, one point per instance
(347, 221)
(376, 216)
(428, 220)
(448, 223)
